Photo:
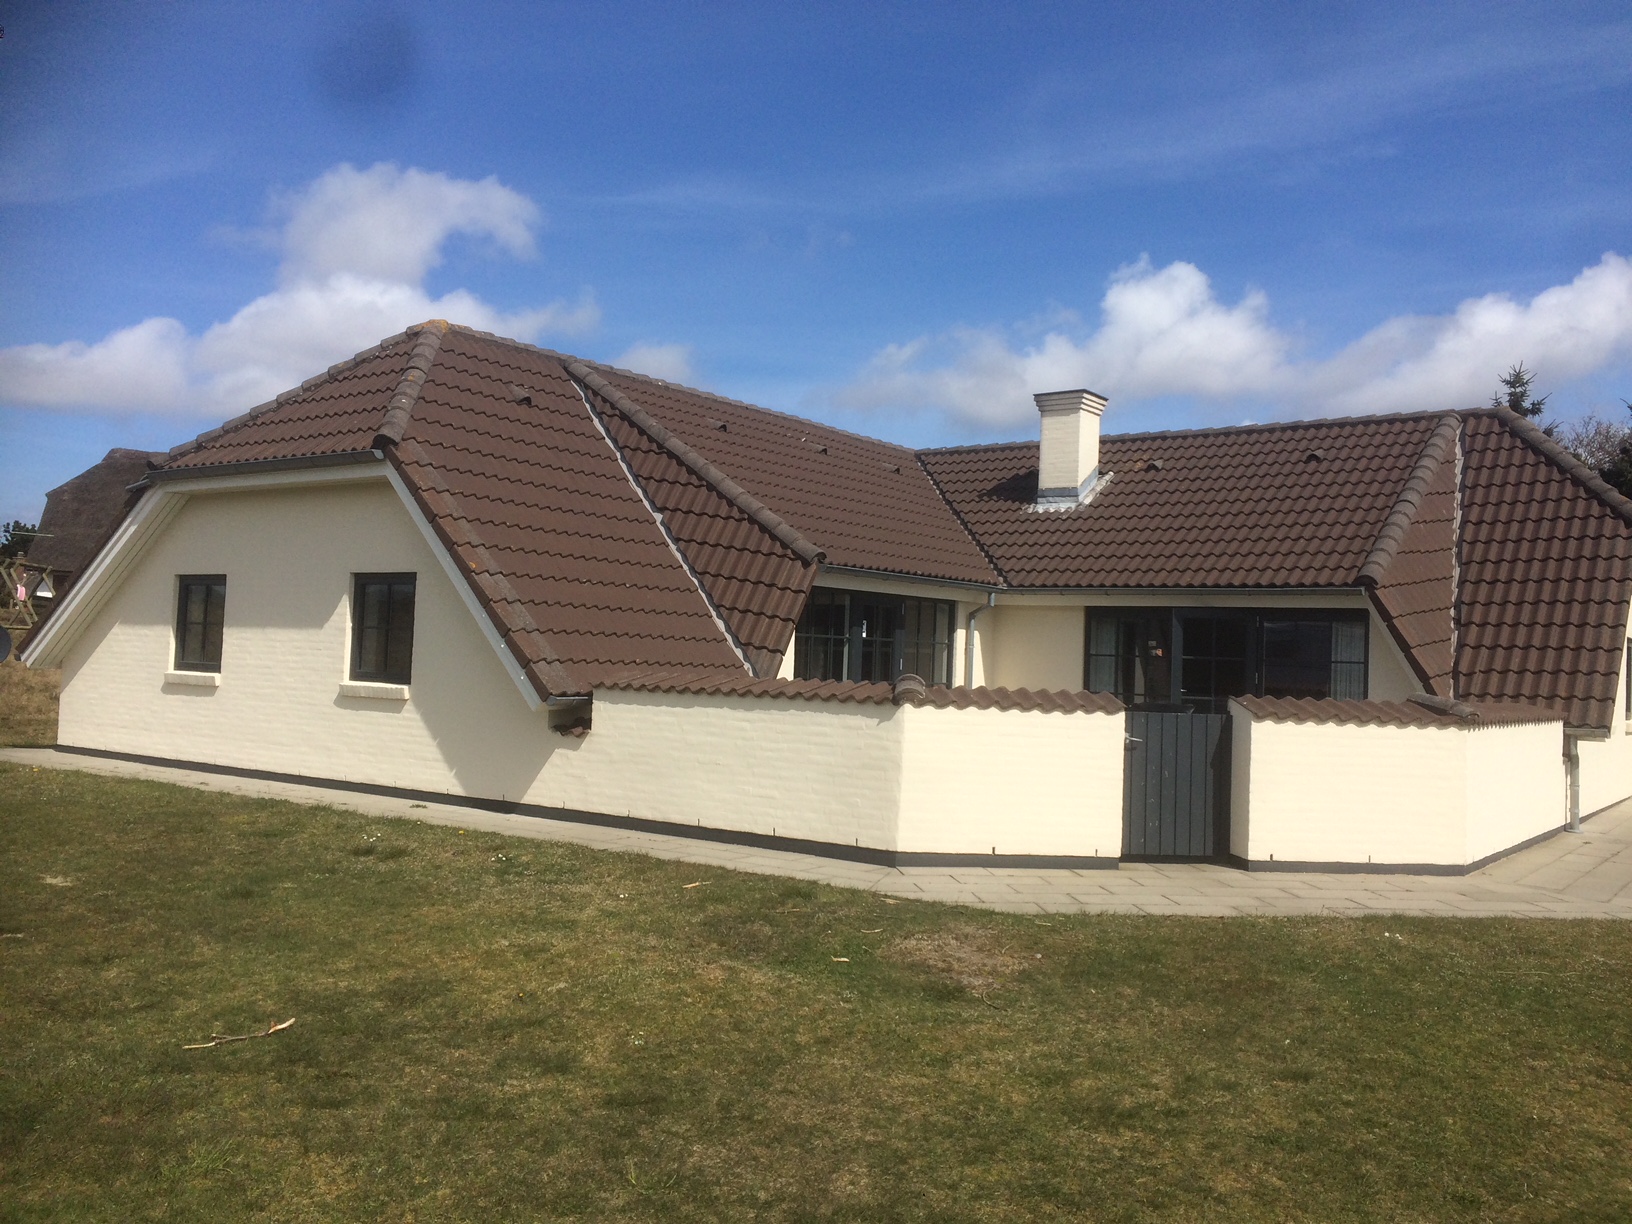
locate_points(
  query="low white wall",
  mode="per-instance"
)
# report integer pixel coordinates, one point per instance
(1340, 793)
(818, 770)
(1012, 782)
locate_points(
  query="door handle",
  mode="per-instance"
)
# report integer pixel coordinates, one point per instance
(1129, 739)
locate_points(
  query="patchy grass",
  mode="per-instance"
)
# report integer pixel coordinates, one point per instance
(28, 705)
(499, 1029)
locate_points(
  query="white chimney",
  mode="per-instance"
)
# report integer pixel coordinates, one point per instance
(1068, 458)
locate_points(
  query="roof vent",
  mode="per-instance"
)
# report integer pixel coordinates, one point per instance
(520, 395)
(1153, 465)
(719, 425)
(1068, 453)
(1315, 456)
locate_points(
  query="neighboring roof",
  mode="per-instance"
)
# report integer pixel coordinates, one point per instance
(1293, 505)
(1396, 713)
(80, 514)
(614, 525)
(859, 693)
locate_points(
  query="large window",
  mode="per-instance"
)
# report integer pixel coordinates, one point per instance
(201, 610)
(382, 628)
(1200, 658)
(858, 635)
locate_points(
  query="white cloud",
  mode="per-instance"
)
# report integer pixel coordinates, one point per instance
(357, 245)
(671, 362)
(1163, 332)
(389, 224)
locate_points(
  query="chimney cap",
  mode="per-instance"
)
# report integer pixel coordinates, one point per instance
(1076, 400)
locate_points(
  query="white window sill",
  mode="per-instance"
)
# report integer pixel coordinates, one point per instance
(196, 679)
(373, 691)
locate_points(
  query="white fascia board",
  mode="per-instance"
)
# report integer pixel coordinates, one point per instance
(155, 509)
(461, 584)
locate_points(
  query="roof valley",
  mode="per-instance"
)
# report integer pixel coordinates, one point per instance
(668, 535)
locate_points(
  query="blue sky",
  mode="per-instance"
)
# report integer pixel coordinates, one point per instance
(903, 219)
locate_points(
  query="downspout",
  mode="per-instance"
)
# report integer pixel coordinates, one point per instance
(1572, 759)
(969, 638)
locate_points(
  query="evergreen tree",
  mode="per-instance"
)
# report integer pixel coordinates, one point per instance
(15, 537)
(1515, 393)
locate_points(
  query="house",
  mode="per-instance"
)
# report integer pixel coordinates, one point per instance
(457, 565)
(81, 513)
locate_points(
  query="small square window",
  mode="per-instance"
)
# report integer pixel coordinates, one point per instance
(382, 628)
(201, 607)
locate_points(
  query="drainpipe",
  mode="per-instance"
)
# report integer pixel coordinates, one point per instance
(969, 639)
(1572, 757)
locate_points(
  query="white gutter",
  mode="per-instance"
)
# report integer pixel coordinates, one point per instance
(969, 639)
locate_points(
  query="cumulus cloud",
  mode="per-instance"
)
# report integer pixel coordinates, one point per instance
(1163, 332)
(356, 247)
(671, 362)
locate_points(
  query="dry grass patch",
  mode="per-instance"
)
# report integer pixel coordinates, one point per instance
(975, 959)
(28, 705)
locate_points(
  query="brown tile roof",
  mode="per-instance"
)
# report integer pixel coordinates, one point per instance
(496, 443)
(1425, 713)
(1296, 505)
(553, 519)
(1546, 572)
(859, 693)
(1411, 571)
(867, 504)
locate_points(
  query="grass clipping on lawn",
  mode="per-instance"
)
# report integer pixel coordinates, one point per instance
(28, 705)
(506, 1029)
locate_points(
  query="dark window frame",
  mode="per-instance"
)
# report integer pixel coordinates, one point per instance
(1250, 653)
(201, 617)
(835, 638)
(382, 637)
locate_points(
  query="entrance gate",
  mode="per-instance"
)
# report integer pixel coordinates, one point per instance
(1176, 786)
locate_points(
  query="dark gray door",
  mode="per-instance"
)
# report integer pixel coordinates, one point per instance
(1176, 787)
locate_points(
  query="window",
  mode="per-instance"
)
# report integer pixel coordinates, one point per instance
(201, 606)
(1201, 658)
(1130, 654)
(857, 635)
(382, 628)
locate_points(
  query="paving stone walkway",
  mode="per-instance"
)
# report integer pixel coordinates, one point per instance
(1571, 875)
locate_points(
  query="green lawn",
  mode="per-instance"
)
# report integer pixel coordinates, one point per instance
(499, 1029)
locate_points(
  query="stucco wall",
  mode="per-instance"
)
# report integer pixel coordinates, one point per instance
(1012, 782)
(1035, 646)
(1336, 793)
(822, 771)
(288, 556)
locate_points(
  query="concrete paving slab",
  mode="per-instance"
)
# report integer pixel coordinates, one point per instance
(1585, 875)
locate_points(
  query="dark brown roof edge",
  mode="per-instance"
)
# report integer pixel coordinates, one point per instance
(403, 399)
(1580, 472)
(864, 693)
(706, 471)
(339, 367)
(1440, 444)
(1419, 710)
